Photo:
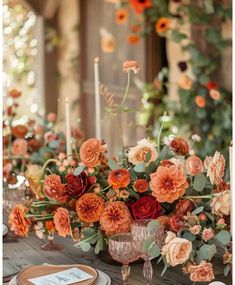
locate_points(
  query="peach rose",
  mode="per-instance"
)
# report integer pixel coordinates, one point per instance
(130, 65)
(207, 161)
(215, 94)
(194, 165)
(216, 168)
(90, 152)
(18, 221)
(185, 82)
(177, 250)
(195, 230)
(200, 101)
(138, 153)
(221, 203)
(19, 147)
(62, 222)
(207, 234)
(202, 272)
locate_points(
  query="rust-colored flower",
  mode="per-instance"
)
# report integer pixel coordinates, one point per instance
(50, 226)
(177, 223)
(19, 147)
(183, 207)
(168, 183)
(121, 16)
(141, 185)
(54, 188)
(14, 93)
(62, 222)
(194, 165)
(115, 218)
(119, 178)
(140, 5)
(162, 25)
(20, 131)
(89, 207)
(18, 221)
(90, 152)
(200, 101)
(130, 65)
(202, 272)
(133, 39)
(164, 221)
(108, 43)
(34, 145)
(180, 146)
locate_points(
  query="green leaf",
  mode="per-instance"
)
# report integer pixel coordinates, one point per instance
(198, 210)
(206, 252)
(209, 6)
(226, 270)
(189, 236)
(154, 250)
(54, 144)
(100, 243)
(133, 193)
(112, 164)
(139, 167)
(78, 170)
(199, 182)
(223, 237)
(85, 246)
(153, 225)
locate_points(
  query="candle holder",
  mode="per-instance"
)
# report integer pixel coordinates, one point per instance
(50, 245)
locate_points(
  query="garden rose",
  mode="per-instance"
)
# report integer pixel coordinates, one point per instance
(200, 101)
(54, 189)
(195, 230)
(183, 207)
(177, 223)
(202, 272)
(221, 203)
(119, 178)
(216, 168)
(62, 222)
(138, 153)
(207, 234)
(18, 221)
(19, 147)
(215, 94)
(76, 185)
(141, 185)
(177, 250)
(146, 207)
(194, 165)
(180, 146)
(130, 65)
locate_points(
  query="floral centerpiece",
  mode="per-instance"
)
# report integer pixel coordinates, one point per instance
(91, 197)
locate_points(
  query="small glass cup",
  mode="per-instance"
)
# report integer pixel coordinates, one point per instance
(121, 249)
(140, 233)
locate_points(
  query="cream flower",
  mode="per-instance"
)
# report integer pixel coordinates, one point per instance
(34, 172)
(221, 204)
(177, 250)
(216, 168)
(137, 154)
(185, 82)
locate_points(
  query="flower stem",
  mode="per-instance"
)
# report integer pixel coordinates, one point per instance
(160, 132)
(199, 197)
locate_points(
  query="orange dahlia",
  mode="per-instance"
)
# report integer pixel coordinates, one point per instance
(180, 146)
(168, 183)
(20, 131)
(133, 39)
(121, 16)
(119, 178)
(115, 218)
(18, 221)
(162, 25)
(62, 222)
(89, 207)
(141, 5)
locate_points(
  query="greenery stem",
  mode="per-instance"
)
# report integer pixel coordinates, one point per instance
(160, 132)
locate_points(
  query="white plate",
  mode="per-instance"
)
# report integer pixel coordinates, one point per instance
(4, 229)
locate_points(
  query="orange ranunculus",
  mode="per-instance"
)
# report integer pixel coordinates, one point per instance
(19, 131)
(200, 101)
(194, 165)
(90, 152)
(180, 146)
(121, 16)
(141, 185)
(18, 221)
(202, 272)
(162, 25)
(54, 188)
(89, 207)
(130, 65)
(119, 178)
(168, 183)
(50, 226)
(115, 218)
(14, 93)
(133, 39)
(62, 222)
(141, 5)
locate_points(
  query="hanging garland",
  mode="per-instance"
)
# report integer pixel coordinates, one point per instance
(204, 105)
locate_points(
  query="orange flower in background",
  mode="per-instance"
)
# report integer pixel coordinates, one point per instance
(200, 101)
(54, 188)
(180, 146)
(202, 272)
(89, 207)
(90, 152)
(130, 65)
(18, 221)
(20, 131)
(162, 25)
(50, 226)
(168, 183)
(211, 85)
(108, 43)
(141, 185)
(121, 16)
(135, 28)
(62, 222)
(185, 82)
(14, 93)
(115, 218)
(215, 94)
(140, 5)
(119, 178)
(19, 147)
(133, 39)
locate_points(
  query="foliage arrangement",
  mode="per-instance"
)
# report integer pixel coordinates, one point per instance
(199, 87)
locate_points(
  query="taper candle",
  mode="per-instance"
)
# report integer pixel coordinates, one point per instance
(97, 100)
(68, 130)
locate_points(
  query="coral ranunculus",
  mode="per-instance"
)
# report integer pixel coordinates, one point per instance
(146, 207)
(194, 165)
(19, 147)
(76, 185)
(119, 178)
(141, 5)
(180, 146)
(54, 189)
(89, 207)
(62, 222)
(177, 223)
(168, 183)
(162, 25)
(90, 152)
(20, 131)
(202, 272)
(216, 168)
(141, 185)
(18, 221)
(115, 218)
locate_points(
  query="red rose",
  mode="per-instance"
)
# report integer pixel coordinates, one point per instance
(183, 207)
(146, 207)
(211, 85)
(177, 222)
(76, 185)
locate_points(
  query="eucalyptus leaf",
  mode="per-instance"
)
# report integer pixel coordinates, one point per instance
(199, 182)
(207, 251)
(54, 144)
(78, 170)
(112, 164)
(198, 210)
(140, 167)
(85, 246)
(223, 237)
(153, 225)
(226, 270)
(189, 236)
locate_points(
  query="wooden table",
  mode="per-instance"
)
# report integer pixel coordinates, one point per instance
(24, 252)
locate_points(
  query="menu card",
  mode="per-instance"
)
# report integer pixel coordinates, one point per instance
(65, 277)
